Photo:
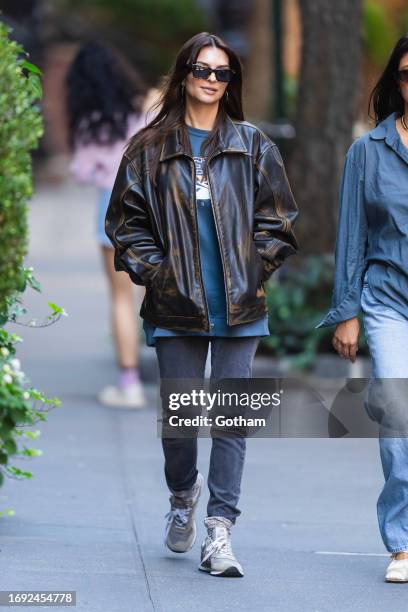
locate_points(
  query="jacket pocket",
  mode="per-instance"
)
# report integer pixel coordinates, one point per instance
(159, 275)
(260, 264)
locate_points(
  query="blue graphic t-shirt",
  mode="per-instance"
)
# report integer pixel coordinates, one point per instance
(211, 263)
(210, 256)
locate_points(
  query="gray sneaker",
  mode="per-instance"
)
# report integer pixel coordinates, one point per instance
(217, 557)
(181, 530)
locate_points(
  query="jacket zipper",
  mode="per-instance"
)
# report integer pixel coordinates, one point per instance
(198, 242)
(219, 241)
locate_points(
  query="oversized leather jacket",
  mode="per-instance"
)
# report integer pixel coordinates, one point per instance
(155, 234)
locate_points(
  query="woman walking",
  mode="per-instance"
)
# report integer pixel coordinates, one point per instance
(201, 214)
(372, 273)
(105, 108)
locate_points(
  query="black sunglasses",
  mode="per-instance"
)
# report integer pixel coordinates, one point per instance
(402, 75)
(224, 75)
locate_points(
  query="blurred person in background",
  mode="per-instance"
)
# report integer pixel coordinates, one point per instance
(372, 274)
(202, 214)
(105, 104)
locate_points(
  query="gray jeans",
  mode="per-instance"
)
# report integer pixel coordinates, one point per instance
(185, 357)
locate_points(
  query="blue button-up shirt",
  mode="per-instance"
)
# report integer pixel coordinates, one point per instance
(372, 234)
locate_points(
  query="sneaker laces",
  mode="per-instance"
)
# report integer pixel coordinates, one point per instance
(219, 544)
(181, 505)
(178, 514)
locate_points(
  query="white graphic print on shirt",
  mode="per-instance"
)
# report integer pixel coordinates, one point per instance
(202, 190)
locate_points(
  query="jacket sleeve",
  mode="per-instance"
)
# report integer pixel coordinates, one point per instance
(275, 211)
(129, 228)
(351, 244)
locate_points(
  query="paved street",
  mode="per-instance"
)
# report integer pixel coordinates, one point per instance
(92, 518)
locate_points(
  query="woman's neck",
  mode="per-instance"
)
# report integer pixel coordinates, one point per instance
(201, 116)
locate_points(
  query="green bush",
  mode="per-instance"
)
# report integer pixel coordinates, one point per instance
(297, 301)
(21, 126)
(20, 406)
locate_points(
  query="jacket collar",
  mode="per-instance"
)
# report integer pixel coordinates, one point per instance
(229, 141)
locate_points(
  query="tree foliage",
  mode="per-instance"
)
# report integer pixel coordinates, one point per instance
(20, 129)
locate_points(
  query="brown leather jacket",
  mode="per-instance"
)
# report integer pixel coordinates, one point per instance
(155, 235)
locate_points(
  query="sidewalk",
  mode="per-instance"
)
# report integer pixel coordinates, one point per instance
(92, 518)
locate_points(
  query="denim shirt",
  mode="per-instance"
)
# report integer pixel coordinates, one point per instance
(372, 233)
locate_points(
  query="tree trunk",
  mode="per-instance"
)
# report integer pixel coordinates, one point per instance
(327, 103)
(259, 76)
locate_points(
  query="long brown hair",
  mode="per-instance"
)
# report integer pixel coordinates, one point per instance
(172, 102)
(386, 97)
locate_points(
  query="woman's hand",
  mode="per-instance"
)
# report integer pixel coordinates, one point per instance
(345, 339)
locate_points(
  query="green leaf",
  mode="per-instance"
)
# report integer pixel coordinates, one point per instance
(32, 452)
(34, 284)
(10, 446)
(31, 67)
(17, 472)
(32, 435)
(57, 309)
(36, 85)
(35, 394)
(7, 511)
